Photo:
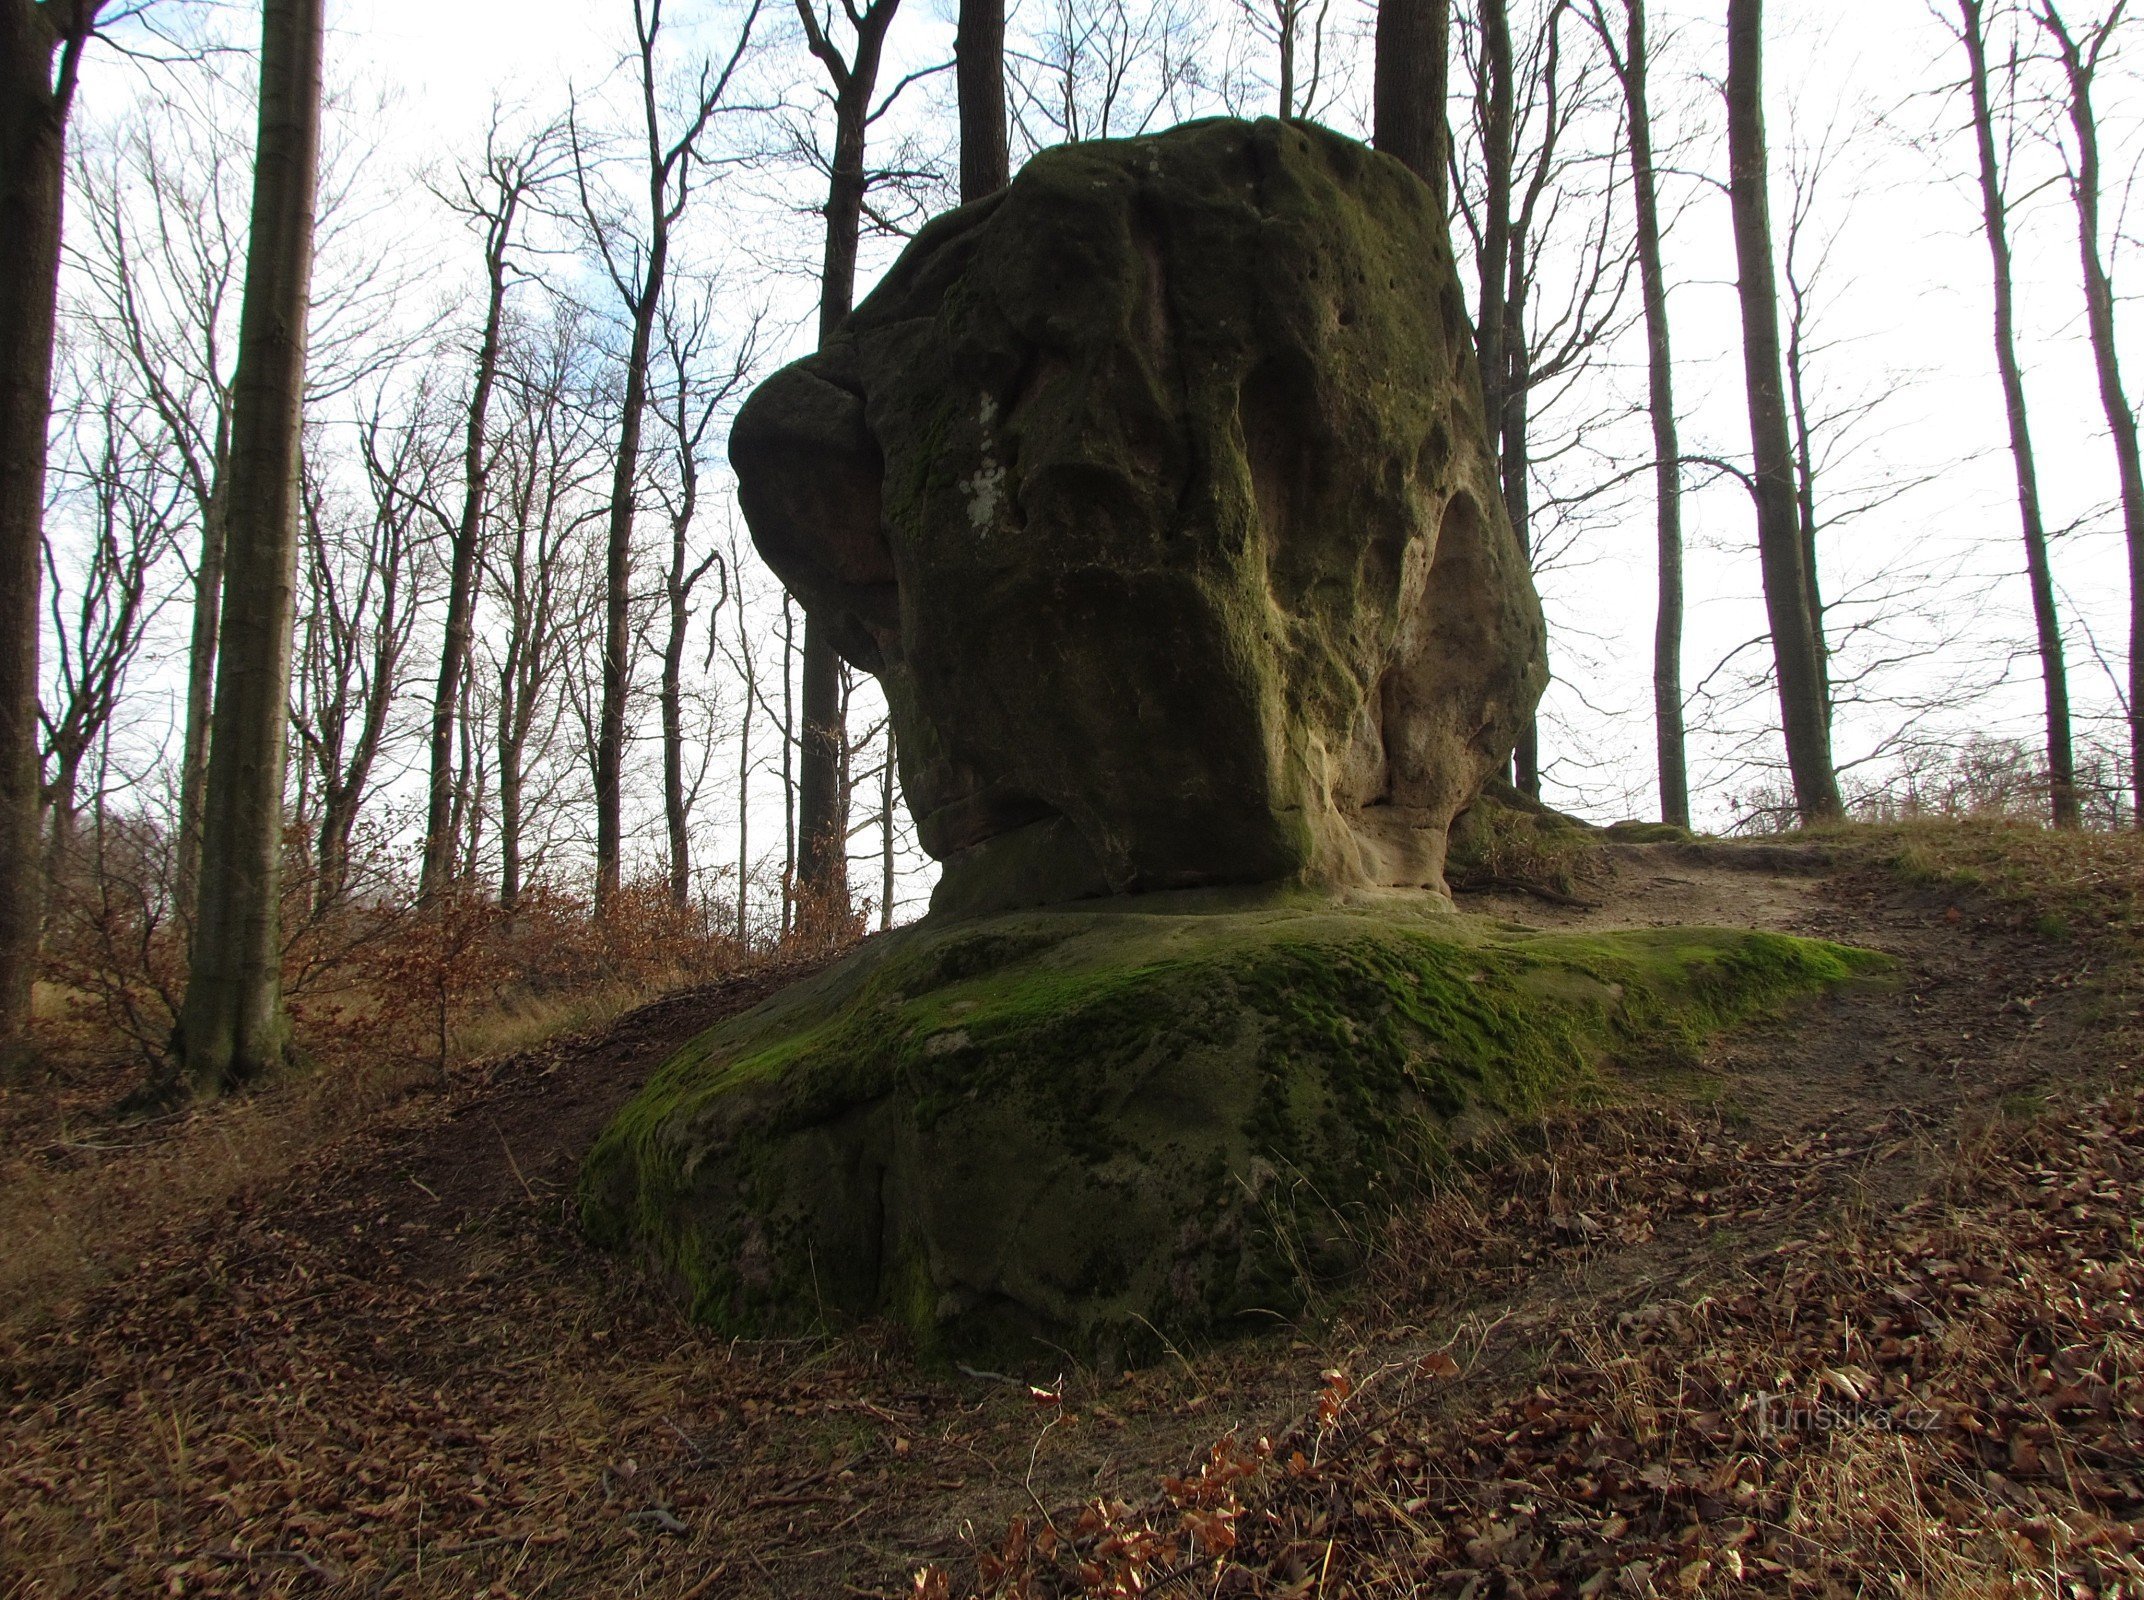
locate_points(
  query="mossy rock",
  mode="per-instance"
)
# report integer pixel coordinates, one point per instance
(1637, 832)
(1156, 490)
(1093, 1130)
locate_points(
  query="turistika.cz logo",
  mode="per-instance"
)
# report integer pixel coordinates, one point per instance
(1786, 1413)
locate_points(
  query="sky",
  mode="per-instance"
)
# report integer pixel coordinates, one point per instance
(1930, 604)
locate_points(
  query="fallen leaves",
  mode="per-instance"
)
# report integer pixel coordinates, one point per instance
(1949, 1400)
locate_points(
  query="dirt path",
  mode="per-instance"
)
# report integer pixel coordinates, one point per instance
(405, 1375)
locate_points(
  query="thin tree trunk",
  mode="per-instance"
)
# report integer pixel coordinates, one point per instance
(670, 167)
(1412, 71)
(1786, 579)
(1805, 507)
(1287, 60)
(617, 589)
(509, 806)
(232, 1026)
(822, 879)
(678, 591)
(2039, 571)
(1497, 134)
(674, 818)
(34, 39)
(885, 824)
(200, 697)
(1670, 746)
(1518, 497)
(979, 68)
(2079, 63)
(439, 837)
(744, 792)
(789, 762)
(822, 857)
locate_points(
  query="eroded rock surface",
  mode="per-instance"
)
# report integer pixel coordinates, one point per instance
(1155, 491)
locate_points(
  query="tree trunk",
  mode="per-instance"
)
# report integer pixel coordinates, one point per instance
(2039, 571)
(1287, 10)
(678, 591)
(822, 850)
(1412, 70)
(200, 697)
(2079, 63)
(1497, 134)
(1517, 462)
(1668, 737)
(617, 588)
(789, 762)
(461, 582)
(744, 787)
(232, 1027)
(33, 162)
(1500, 272)
(1786, 580)
(885, 825)
(979, 67)
(1805, 496)
(509, 806)
(822, 879)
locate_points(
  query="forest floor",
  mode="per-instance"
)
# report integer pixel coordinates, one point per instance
(1849, 1305)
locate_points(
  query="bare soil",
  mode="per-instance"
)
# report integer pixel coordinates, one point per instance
(401, 1372)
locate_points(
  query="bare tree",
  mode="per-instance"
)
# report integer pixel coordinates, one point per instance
(361, 589)
(165, 258)
(637, 265)
(1550, 278)
(695, 400)
(1804, 718)
(1801, 273)
(492, 197)
(2081, 51)
(41, 46)
(548, 460)
(1102, 69)
(886, 831)
(822, 817)
(1972, 33)
(1630, 57)
(101, 606)
(162, 257)
(1412, 72)
(232, 1027)
(979, 54)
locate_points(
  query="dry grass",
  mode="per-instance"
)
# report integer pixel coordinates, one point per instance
(2080, 883)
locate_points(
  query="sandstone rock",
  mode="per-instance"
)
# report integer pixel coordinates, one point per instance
(1094, 1128)
(1155, 490)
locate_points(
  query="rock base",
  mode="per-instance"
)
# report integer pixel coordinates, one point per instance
(1094, 1130)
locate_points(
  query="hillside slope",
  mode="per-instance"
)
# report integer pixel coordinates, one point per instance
(1845, 1304)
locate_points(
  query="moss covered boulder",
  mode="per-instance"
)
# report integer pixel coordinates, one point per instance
(1090, 1130)
(1156, 490)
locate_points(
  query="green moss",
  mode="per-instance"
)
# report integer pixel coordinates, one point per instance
(1634, 832)
(1500, 841)
(1073, 1125)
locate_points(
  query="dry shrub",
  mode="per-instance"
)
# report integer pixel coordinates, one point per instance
(1983, 777)
(388, 996)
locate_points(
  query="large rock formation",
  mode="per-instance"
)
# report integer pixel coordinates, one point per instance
(1104, 1130)
(1155, 491)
